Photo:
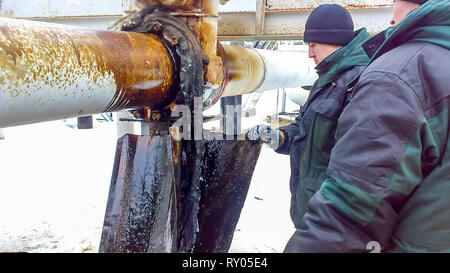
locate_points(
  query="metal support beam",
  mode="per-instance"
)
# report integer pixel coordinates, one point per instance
(260, 16)
(283, 101)
(294, 5)
(125, 127)
(285, 20)
(239, 20)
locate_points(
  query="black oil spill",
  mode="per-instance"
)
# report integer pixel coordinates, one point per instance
(169, 196)
(140, 214)
(229, 167)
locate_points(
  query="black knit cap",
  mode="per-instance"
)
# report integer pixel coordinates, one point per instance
(329, 24)
(417, 1)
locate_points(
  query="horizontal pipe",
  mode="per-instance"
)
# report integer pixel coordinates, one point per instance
(51, 71)
(254, 70)
(245, 70)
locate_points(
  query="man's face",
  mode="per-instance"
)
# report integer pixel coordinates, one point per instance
(320, 52)
(401, 10)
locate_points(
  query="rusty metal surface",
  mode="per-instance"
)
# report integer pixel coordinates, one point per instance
(290, 25)
(251, 70)
(295, 5)
(207, 7)
(201, 18)
(245, 69)
(55, 70)
(237, 6)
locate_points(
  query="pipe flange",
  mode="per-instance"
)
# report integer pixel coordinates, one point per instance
(190, 61)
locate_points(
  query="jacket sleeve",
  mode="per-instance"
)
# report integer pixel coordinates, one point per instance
(374, 167)
(289, 133)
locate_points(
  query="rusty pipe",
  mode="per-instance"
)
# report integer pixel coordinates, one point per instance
(251, 70)
(51, 71)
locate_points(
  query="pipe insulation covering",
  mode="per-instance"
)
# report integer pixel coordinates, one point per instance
(254, 70)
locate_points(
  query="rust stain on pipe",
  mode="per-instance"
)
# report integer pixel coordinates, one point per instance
(245, 70)
(314, 7)
(55, 55)
(206, 31)
(201, 17)
(142, 67)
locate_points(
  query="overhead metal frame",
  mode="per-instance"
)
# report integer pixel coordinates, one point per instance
(238, 20)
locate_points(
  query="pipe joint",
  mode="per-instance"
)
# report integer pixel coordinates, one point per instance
(190, 61)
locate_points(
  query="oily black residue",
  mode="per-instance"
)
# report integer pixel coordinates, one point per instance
(229, 167)
(169, 196)
(141, 193)
(159, 202)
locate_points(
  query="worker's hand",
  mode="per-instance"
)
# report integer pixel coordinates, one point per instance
(265, 134)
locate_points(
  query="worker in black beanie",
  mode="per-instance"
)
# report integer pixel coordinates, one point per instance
(337, 51)
(329, 24)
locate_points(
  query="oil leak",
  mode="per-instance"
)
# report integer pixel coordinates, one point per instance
(165, 197)
(229, 166)
(190, 177)
(140, 215)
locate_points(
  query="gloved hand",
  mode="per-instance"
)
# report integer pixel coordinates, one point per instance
(265, 134)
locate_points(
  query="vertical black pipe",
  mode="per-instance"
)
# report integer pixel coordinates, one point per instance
(231, 125)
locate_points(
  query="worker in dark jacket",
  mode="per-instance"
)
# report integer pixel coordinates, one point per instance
(337, 51)
(388, 182)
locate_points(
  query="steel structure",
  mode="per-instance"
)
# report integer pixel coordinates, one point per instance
(238, 19)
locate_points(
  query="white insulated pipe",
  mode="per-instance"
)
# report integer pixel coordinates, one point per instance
(254, 70)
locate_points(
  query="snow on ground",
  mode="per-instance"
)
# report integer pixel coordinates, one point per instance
(54, 183)
(265, 225)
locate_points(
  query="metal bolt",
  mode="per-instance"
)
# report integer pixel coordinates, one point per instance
(157, 27)
(129, 26)
(136, 114)
(156, 116)
(174, 41)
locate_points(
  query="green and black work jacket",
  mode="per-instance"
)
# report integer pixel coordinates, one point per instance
(310, 139)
